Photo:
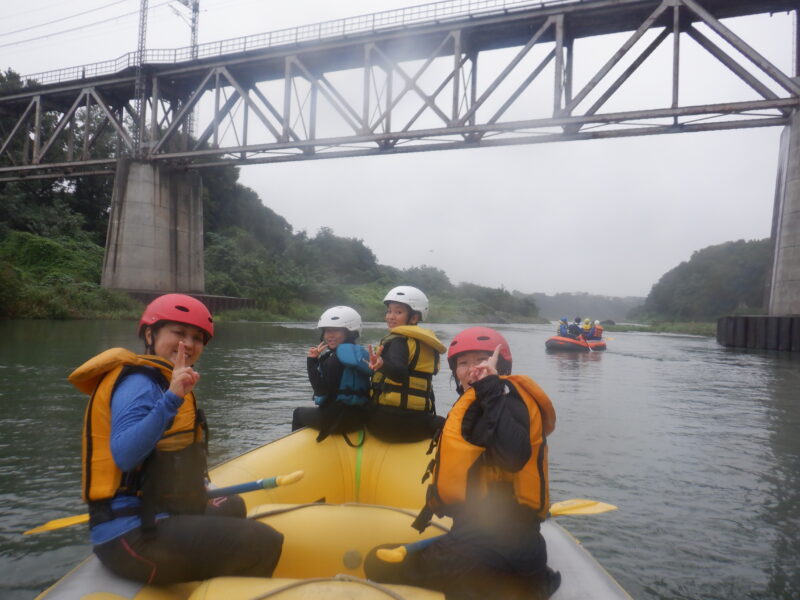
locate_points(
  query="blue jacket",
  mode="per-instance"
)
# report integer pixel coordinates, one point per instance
(354, 384)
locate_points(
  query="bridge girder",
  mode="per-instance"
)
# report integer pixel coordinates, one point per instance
(400, 90)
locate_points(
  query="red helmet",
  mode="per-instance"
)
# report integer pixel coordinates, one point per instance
(178, 308)
(480, 339)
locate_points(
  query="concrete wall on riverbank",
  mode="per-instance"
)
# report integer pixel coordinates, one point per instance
(214, 303)
(155, 230)
(760, 332)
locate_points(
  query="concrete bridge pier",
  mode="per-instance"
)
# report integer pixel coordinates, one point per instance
(784, 292)
(780, 329)
(155, 230)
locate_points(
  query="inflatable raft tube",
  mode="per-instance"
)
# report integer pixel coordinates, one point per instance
(350, 500)
(323, 558)
(558, 343)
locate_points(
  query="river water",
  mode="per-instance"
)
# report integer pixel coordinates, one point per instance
(698, 445)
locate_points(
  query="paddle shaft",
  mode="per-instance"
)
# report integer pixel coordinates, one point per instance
(585, 341)
(260, 484)
(563, 508)
(240, 488)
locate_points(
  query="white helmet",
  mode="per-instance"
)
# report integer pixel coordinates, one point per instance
(341, 316)
(597, 322)
(405, 294)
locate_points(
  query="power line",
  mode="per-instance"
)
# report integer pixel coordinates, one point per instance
(33, 10)
(86, 12)
(110, 29)
(63, 31)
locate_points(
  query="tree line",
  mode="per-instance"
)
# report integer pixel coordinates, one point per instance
(719, 280)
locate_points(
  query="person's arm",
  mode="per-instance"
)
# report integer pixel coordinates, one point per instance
(502, 425)
(315, 377)
(140, 413)
(395, 359)
(332, 371)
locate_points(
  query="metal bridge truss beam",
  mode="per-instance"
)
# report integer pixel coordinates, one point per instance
(402, 105)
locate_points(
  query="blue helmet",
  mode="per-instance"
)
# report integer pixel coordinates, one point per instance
(563, 319)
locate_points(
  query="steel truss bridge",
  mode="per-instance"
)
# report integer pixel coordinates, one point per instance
(396, 81)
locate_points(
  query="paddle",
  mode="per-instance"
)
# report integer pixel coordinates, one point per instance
(575, 506)
(260, 484)
(587, 343)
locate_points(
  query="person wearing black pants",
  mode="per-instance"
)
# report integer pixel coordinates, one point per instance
(144, 460)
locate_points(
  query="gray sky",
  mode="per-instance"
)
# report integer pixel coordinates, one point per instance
(633, 207)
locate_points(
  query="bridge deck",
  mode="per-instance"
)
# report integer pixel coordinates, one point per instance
(484, 30)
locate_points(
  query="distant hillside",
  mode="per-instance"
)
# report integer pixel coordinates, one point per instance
(585, 305)
(716, 281)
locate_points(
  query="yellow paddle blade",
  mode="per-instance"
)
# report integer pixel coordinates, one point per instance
(579, 506)
(392, 555)
(59, 524)
(290, 478)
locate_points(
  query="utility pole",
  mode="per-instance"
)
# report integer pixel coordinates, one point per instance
(194, 6)
(139, 89)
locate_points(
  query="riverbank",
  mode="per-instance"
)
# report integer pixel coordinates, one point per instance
(59, 278)
(684, 327)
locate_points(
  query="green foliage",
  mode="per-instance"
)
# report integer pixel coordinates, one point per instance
(432, 280)
(227, 203)
(38, 207)
(238, 265)
(716, 281)
(499, 301)
(64, 298)
(10, 289)
(43, 278)
(41, 258)
(347, 260)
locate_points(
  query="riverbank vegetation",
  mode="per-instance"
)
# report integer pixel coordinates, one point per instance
(719, 280)
(707, 328)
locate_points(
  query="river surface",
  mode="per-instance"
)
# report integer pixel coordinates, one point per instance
(698, 445)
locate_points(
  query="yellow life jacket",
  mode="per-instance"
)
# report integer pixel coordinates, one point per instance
(454, 483)
(102, 478)
(416, 392)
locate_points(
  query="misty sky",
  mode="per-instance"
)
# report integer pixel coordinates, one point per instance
(606, 216)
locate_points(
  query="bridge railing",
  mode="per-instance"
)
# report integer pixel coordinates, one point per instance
(367, 23)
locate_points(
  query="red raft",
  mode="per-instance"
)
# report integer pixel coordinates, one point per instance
(566, 344)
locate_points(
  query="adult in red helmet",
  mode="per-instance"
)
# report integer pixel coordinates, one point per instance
(490, 476)
(144, 460)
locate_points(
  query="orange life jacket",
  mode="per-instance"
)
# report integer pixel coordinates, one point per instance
(102, 478)
(456, 456)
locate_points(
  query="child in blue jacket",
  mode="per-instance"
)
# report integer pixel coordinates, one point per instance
(339, 372)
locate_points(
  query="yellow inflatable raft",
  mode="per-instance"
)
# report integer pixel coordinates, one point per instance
(350, 500)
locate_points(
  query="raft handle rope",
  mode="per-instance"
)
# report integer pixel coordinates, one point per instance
(293, 507)
(339, 577)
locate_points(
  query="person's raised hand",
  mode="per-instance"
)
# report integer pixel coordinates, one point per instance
(184, 377)
(315, 351)
(375, 360)
(485, 368)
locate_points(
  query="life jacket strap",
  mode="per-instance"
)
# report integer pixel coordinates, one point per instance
(100, 511)
(423, 519)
